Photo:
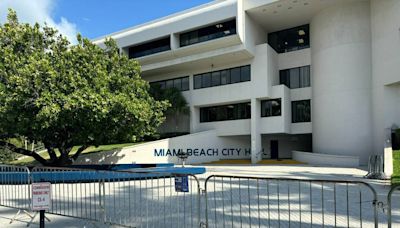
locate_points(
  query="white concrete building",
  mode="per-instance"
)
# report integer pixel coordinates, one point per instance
(266, 78)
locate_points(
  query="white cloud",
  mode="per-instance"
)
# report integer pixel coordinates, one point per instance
(40, 11)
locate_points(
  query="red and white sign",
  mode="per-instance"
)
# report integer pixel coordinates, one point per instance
(41, 196)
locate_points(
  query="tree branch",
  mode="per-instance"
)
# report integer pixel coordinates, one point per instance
(80, 150)
(52, 153)
(18, 150)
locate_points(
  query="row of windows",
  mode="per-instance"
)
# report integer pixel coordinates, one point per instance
(301, 111)
(181, 84)
(208, 33)
(225, 112)
(150, 48)
(188, 38)
(222, 77)
(298, 77)
(290, 39)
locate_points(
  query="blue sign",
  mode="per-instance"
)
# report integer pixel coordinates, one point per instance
(181, 184)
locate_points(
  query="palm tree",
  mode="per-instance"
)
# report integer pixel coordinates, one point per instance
(179, 105)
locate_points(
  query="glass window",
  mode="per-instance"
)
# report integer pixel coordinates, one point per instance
(206, 80)
(215, 78)
(301, 111)
(294, 78)
(178, 83)
(225, 77)
(222, 77)
(245, 73)
(225, 112)
(211, 32)
(304, 76)
(197, 81)
(271, 108)
(181, 84)
(235, 75)
(290, 39)
(298, 77)
(185, 83)
(169, 84)
(150, 48)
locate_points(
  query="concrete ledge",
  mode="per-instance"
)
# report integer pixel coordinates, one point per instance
(326, 159)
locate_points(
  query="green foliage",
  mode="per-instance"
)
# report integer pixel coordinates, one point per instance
(63, 95)
(178, 103)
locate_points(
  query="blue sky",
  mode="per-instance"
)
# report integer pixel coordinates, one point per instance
(94, 18)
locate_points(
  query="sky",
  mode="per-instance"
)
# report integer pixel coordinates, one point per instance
(93, 18)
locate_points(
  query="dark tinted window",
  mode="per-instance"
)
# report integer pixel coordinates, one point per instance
(290, 39)
(245, 73)
(181, 84)
(271, 108)
(301, 111)
(298, 77)
(225, 112)
(208, 33)
(197, 82)
(150, 48)
(235, 75)
(222, 77)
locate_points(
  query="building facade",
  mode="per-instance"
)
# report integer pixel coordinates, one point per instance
(275, 77)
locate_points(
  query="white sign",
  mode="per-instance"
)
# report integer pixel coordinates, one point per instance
(41, 196)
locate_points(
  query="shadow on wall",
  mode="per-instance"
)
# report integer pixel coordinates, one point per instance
(109, 157)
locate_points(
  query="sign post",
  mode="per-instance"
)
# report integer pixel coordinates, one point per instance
(41, 199)
(181, 184)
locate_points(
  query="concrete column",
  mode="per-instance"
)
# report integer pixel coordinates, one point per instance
(256, 143)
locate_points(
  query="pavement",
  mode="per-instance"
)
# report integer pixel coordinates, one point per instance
(153, 197)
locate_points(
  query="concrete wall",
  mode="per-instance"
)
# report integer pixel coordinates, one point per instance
(385, 44)
(205, 147)
(326, 159)
(341, 60)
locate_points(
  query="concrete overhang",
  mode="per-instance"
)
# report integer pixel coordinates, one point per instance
(204, 60)
(275, 15)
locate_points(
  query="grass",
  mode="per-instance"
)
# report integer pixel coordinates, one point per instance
(396, 168)
(92, 149)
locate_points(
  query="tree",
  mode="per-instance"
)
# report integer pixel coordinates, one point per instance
(63, 95)
(179, 105)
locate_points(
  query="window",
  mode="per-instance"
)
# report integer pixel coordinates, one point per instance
(182, 84)
(211, 32)
(150, 48)
(271, 108)
(225, 112)
(294, 78)
(222, 77)
(290, 39)
(301, 111)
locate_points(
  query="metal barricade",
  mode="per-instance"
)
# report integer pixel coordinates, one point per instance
(127, 198)
(393, 201)
(15, 188)
(236, 201)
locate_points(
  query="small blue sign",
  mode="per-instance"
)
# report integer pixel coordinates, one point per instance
(181, 184)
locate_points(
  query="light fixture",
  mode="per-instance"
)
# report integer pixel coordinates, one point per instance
(227, 32)
(286, 43)
(301, 41)
(219, 26)
(301, 32)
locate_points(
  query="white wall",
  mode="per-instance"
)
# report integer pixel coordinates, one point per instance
(214, 148)
(341, 80)
(385, 44)
(326, 159)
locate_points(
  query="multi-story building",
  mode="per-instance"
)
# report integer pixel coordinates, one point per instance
(278, 76)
